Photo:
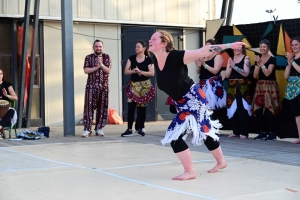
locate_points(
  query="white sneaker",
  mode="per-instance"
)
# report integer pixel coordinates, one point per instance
(86, 134)
(100, 132)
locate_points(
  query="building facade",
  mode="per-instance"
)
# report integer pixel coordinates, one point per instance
(118, 23)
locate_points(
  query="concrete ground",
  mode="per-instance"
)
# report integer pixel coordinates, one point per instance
(135, 168)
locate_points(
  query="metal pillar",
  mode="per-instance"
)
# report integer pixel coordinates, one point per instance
(23, 64)
(14, 56)
(224, 9)
(32, 57)
(229, 13)
(67, 65)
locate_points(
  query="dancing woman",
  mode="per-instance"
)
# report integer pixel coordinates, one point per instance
(193, 116)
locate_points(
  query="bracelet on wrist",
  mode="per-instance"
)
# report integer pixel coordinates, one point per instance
(134, 71)
(228, 45)
(206, 66)
(235, 67)
(293, 62)
(263, 67)
(8, 96)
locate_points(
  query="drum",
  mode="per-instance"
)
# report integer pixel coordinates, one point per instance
(4, 106)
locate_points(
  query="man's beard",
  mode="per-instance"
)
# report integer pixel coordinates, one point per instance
(98, 53)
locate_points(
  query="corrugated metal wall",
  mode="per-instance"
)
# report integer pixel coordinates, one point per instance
(175, 12)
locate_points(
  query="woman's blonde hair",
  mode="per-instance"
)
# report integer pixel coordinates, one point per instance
(167, 37)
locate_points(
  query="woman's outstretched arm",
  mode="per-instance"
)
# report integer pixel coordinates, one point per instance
(192, 55)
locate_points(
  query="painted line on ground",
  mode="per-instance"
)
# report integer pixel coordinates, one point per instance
(28, 169)
(114, 175)
(160, 163)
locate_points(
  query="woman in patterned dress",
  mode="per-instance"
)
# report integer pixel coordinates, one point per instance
(238, 95)
(139, 89)
(266, 104)
(211, 82)
(292, 74)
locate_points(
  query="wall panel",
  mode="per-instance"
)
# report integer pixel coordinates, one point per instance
(163, 12)
(83, 38)
(124, 10)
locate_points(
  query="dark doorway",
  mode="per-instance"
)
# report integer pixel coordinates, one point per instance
(130, 36)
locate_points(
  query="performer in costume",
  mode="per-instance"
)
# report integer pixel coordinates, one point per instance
(292, 74)
(266, 104)
(211, 82)
(7, 93)
(193, 115)
(97, 66)
(238, 96)
(139, 90)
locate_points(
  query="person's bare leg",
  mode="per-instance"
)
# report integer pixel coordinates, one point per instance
(221, 163)
(185, 158)
(298, 128)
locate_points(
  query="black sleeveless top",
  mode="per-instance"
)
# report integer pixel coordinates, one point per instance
(293, 71)
(173, 79)
(272, 76)
(204, 73)
(234, 74)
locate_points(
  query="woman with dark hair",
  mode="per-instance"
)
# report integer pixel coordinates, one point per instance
(292, 74)
(238, 96)
(210, 77)
(7, 93)
(139, 89)
(193, 115)
(266, 104)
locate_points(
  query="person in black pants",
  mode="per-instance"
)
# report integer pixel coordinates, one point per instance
(7, 93)
(193, 116)
(139, 89)
(238, 100)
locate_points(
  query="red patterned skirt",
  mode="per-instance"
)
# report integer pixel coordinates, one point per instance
(141, 92)
(266, 96)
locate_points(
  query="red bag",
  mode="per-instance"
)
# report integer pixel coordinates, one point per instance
(113, 117)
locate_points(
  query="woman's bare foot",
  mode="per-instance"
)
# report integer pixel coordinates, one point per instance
(296, 141)
(217, 167)
(185, 176)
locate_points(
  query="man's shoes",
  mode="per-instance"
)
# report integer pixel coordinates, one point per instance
(99, 132)
(141, 132)
(127, 133)
(261, 136)
(86, 134)
(271, 136)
